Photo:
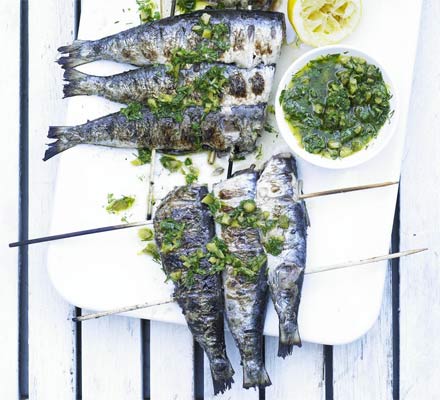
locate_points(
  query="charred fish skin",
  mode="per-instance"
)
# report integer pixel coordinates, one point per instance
(131, 86)
(244, 87)
(202, 302)
(277, 194)
(254, 37)
(245, 300)
(263, 5)
(230, 128)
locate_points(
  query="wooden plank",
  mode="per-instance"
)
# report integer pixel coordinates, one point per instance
(111, 347)
(9, 104)
(51, 336)
(299, 376)
(364, 369)
(171, 362)
(419, 222)
(111, 359)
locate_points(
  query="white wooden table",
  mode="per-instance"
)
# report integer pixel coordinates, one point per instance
(43, 355)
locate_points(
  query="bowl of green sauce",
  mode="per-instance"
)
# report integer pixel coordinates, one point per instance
(336, 107)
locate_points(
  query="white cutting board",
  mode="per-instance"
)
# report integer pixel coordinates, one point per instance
(105, 271)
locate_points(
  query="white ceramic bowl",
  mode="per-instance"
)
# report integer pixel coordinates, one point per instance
(372, 149)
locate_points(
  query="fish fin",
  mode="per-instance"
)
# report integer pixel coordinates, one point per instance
(284, 350)
(78, 54)
(70, 48)
(289, 337)
(221, 385)
(255, 375)
(74, 86)
(61, 133)
(221, 372)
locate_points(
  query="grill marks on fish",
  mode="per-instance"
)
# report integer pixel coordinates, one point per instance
(154, 42)
(277, 191)
(245, 300)
(202, 302)
(242, 4)
(244, 86)
(230, 128)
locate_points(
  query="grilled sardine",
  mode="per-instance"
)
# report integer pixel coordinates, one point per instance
(201, 302)
(243, 86)
(230, 128)
(244, 38)
(245, 298)
(277, 194)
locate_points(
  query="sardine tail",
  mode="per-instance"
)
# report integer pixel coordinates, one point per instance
(221, 385)
(60, 133)
(74, 85)
(78, 54)
(289, 337)
(255, 375)
(221, 372)
(284, 350)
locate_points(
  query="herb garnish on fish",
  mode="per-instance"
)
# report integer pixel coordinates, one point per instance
(132, 111)
(147, 10)
(201, 301)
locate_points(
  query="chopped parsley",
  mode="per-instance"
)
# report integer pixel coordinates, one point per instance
(144, 157)
(218, 257)
(146, 234)
(215, 42)
(172, 232)
(274, 245)
(186, 167)
(213, 203)
(259, 152)
(191, 175)
(151, 250)
(133, 111)
(186, 6)
(171, 163)
(115, 206)
(147, 11)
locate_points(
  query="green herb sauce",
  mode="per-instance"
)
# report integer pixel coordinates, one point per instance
(115, 206)
(336, 105)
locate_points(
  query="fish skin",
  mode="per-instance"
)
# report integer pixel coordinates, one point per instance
(263, 5)
(277, 193)
(245, 301)
(255, 37)
(244, 87)
(229, 129)
(202, 302)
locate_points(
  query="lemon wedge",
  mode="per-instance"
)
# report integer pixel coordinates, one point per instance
(322, 22)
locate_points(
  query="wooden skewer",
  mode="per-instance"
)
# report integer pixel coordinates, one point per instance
(370, 260)
(345, 190)
(348, 264)
(149, 205)
(151, 184)
(119, 310)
